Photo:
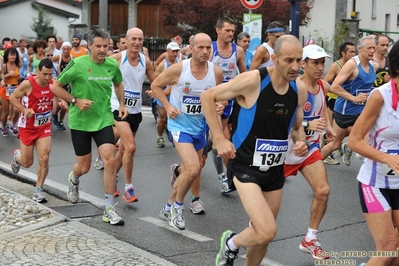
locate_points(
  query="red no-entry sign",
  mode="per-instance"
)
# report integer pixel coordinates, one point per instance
(251, 4)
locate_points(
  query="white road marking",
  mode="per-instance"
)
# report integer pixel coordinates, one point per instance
(186, 233)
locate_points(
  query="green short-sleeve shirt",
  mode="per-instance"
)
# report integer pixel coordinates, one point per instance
(93, 82)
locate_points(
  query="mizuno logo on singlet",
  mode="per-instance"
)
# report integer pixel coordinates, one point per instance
(268, 147)
(131, 94)
(44, 115)
(192, 100)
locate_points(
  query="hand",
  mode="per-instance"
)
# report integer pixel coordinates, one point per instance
(173, 112)
(29, 113)
(300, 148)
(317, 125)
(393, 163)
(219, 108)
(11, 73)
(360, 98)
(123, 112)
(225, 148)
(63, 105)
(83, 104)
(2, 83)
(150, 93)
(330, 135)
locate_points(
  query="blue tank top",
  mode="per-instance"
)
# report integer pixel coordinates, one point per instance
(361, 84)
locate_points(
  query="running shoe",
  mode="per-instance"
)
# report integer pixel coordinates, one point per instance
(224, 184)
(197, 207)
(362, 264)
(346, 158)
(176, 218)
(98, 164)
(160, 143)
(4, 132)
(39, 196)
(164, 214)
(314, 248)
(73, 190)
(61, 126)
(331, 160)
(14, 130)
(129, 196)
(226, 257)
(173, 168)
(110, 216)
(14, 164)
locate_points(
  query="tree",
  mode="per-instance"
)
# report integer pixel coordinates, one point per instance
(190, 17)
(42, 24)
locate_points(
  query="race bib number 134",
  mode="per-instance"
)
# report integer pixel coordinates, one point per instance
(269, 153)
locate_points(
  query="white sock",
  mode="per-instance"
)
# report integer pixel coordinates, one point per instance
(74, 179)
(109, 200)
(230, 244)
(312, 234)
(127, 186)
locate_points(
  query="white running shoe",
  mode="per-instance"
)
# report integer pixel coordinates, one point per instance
(98, 164)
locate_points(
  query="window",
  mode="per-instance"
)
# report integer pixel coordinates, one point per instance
(387, 22)
(374, 9)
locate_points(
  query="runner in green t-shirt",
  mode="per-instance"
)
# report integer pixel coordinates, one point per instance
(90, 115)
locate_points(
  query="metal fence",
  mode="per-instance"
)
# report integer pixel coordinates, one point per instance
(156, 46)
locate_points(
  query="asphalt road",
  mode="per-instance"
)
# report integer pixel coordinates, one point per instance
(343, 227)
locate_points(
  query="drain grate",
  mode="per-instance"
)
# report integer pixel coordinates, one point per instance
(80, 210)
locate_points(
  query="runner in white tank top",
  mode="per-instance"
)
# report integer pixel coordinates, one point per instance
(263, 54)
(134, 67)
(379, 175)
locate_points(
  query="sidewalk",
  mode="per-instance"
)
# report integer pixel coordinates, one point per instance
(33, 234)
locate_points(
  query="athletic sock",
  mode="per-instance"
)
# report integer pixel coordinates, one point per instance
(195, 198)
(74, 179)
(312, 234)
(177, 204)
(37, 189)
(127, 186)
(109, 200)
(167, 206)
(230, 244)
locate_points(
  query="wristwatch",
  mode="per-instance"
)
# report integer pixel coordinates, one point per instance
(305, 124)
(73, 101)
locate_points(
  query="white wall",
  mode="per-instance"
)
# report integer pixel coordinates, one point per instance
(382, 7)
(21, 27)
(322, 21)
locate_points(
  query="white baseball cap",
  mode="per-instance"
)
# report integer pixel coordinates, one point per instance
(172, 46)
(66, 44)
(313, 51)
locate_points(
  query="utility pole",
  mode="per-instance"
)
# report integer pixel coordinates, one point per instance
(103, 15)
(294, 16)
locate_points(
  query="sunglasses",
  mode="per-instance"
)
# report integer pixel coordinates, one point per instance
(49, 55)
(277, 36)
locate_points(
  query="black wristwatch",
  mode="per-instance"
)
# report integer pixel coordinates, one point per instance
(305, 124)
(73, 101)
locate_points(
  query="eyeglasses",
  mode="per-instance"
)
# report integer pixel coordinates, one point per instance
(49, 55)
